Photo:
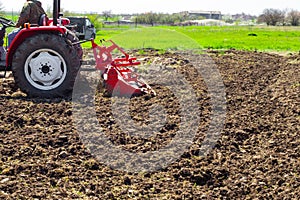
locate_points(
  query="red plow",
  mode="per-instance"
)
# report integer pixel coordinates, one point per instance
(118, 76)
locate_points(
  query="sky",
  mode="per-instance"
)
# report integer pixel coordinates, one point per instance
(253, 7)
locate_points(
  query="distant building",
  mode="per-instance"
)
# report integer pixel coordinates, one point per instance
(205, 14)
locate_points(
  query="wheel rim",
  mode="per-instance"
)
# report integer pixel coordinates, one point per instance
(45, 69)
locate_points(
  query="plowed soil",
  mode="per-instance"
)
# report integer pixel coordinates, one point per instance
(256, 156)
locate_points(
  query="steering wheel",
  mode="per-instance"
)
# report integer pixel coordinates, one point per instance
(7, 22)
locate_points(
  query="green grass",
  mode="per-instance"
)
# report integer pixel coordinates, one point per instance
(157, 38)
(280, 39)
(265, 39)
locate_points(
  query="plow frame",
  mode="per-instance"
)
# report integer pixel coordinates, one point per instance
(119, 78)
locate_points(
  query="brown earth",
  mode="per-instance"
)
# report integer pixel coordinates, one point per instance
(256, 156)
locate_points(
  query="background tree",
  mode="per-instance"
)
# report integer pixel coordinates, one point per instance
(96, 20)
(272, 16)
(106, 14)
(159, 18)
(293, 17)
(1, 8)
(151, 18)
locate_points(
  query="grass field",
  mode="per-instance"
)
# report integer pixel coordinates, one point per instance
(280, 39)
(246, 38)
(158, 38)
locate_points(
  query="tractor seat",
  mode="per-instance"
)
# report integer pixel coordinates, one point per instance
(43, 21)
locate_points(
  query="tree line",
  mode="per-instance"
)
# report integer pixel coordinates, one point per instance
(275, 17)
(270, 16)
(168, 19)
(152, 18)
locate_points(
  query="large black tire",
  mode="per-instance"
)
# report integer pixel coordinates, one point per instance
(72, 38)
(46, 66)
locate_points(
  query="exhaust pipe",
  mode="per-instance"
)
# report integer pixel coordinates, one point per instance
(56, 10)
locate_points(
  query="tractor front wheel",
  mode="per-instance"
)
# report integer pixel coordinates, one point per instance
(46, 66)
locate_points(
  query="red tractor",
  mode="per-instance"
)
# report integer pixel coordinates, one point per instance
(43, 60)
(46, 57)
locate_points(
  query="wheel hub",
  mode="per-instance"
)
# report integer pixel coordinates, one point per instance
(45, 69)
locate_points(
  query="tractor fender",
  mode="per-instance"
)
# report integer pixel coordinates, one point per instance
(29, 32)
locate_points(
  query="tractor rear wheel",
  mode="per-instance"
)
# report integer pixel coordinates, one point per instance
(46, 66)
(72, 38)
